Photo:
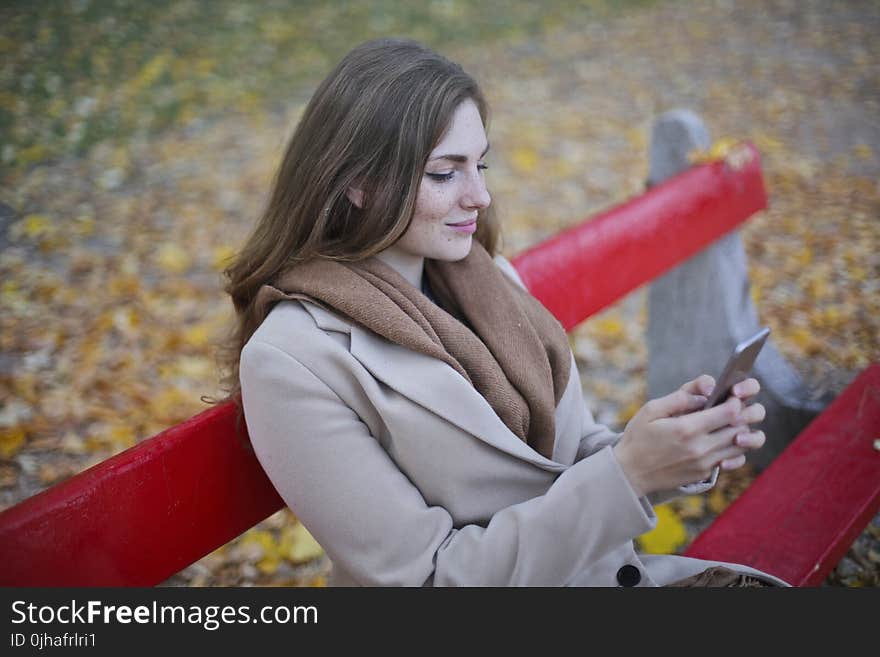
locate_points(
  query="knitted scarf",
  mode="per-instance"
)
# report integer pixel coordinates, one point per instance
(486, 327)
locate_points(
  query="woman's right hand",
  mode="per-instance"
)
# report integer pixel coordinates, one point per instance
(670, 442)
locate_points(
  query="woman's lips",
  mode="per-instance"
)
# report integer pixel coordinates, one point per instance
(469, 226)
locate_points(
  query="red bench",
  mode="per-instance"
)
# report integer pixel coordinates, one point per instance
(799, 517)
(146, 513)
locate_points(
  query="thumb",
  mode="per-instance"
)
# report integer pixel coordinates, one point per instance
(673, 404)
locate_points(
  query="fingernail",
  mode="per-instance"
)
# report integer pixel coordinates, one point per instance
(737, 389)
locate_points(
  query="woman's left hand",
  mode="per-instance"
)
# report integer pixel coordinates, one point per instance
(753, 413)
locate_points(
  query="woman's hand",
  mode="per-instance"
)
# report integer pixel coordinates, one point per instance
(671, 442)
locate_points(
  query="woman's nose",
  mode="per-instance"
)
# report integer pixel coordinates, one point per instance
(477, 195)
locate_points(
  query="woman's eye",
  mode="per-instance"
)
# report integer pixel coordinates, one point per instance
(482, 166)
(441, 177)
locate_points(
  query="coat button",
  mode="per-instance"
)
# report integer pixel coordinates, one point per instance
(629, 575)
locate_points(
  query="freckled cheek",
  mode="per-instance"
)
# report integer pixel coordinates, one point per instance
(434, 205)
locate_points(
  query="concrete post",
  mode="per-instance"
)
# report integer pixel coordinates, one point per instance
(700, 309)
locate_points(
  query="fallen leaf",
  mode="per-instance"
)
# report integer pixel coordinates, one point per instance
(11, 441)
(717, 501)
(298, 545)
(524, 159)
(172, 258)
(667, 536)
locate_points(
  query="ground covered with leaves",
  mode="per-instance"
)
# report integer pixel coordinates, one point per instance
(138, 141)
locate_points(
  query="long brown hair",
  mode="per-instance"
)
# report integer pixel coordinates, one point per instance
(371, 125)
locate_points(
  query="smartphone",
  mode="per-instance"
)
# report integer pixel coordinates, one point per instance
(738, 367)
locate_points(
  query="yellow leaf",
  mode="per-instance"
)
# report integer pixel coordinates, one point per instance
(609, 327)
(863, 151)
(172, 258)
(636, 139)
(121, 436)
(858, 273)
(733, 151)
(625, 414)
(804, 257)
(270, 557)
(717, 502)
(150, 72)
(818, 288)
(768, 144)
(832, 317)
(49, 474)
(261, 538)
(205, 65)
(11, 440)
(36, 225)
(124, 286)
(524, 159)
(803, 339)
(83, 226)
(222, 256)
(172, 405)
(692, 506)
(32, 154)
(73, 444)
(125, 320)
(667, 536)
(755, 293)
(26, 386)
(717, 151)
(269, 565)
(298, 545)
(197, 336)
(11, 294)
(187, 367)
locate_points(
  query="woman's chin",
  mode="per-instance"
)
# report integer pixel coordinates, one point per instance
(456, 252)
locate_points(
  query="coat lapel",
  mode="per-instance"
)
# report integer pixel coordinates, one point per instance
(433, 384)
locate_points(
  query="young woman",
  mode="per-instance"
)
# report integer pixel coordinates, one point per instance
(419, 411)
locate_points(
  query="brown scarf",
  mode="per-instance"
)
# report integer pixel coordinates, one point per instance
(489, 330)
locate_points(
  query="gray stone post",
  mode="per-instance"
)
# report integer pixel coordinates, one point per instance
(700, 309)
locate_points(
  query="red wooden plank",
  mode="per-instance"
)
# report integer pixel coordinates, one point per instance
(589, 266)
(142, 515)
(801, 515)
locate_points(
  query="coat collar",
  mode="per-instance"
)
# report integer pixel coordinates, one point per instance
(431, 383)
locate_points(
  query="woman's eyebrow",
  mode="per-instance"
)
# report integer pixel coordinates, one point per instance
(457, 158)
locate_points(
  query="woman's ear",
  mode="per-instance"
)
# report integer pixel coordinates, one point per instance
(356, 196)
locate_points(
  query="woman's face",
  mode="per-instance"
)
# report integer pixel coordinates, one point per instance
(451, 192)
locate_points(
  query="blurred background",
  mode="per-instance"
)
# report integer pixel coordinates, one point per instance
(138, 141)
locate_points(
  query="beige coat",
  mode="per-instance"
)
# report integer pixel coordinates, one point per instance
(406, 476)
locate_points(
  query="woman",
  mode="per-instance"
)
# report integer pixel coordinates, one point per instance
(419, 411)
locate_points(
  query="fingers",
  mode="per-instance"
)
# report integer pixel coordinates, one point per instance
(753, 414)
(673, 404)
(732, 455)
(706, 421)
(746, 388)
(739, 436)
(702, 385)
(733, 463)
(750, 440)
